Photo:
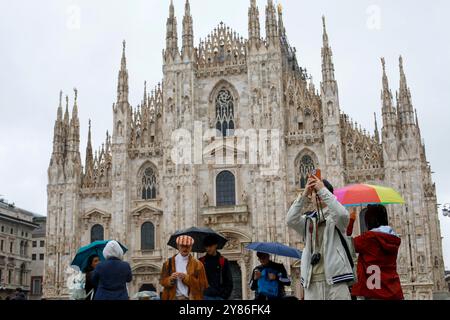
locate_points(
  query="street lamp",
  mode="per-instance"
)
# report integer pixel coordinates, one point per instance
(446, 210)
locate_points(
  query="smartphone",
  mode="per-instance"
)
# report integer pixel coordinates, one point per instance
(317, 173)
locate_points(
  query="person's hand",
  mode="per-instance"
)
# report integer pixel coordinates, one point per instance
(308, 188)
(257, 274)
(181, 276)
(272, 276)
(173, 277)
(353, 214)
(317, 184)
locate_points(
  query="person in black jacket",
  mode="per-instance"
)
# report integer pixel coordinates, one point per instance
(218, 272)
(276, 272)
(19, 295)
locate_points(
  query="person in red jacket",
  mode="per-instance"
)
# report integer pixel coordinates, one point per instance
(377, 260)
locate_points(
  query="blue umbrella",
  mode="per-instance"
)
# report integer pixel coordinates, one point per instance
(275, 248)
(95, 248)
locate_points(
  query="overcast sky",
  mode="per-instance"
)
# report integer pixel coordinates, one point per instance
(53, 45)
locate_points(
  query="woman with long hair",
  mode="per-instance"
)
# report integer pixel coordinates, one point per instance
(90, 288)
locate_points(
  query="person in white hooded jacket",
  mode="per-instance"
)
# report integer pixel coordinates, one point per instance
(326, 267)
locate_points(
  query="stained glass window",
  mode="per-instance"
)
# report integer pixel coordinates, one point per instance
(225, 113)
(149, 184)
(306, 167)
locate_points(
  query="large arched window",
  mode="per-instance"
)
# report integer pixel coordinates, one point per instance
(97, 233)
(306, 167)
(225, 112)
(147, 236)
(148, 187)
(225, 189)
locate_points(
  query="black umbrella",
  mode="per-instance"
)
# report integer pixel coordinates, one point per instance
(199, 235)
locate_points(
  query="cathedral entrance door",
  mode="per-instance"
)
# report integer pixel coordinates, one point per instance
(236, 274)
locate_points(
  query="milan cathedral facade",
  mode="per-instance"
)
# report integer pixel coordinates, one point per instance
(132, 190)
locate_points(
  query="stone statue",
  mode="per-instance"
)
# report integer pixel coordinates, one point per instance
(244, 197)
(205, 200)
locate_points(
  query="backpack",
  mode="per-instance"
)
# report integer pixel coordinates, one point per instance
(267, 287)
(221, 263)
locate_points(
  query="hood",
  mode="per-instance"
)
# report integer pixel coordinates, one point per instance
(388, 242)
(385, 229)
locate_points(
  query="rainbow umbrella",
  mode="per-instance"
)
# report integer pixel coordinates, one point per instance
(364, 194)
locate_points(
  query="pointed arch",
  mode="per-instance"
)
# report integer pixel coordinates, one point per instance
(305, 162)
(223, 84)
(148, 181)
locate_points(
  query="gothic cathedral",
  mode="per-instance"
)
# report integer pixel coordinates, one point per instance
(131, 189)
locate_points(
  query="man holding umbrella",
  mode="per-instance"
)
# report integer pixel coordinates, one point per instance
(269, 279)
(217, 270)
(183, 276)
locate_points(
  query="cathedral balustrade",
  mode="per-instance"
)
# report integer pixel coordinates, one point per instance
(221, 71)
(360, 175)
(223, 215)
(96, 192)
(145, 255)
(152, 150)
(304, 137)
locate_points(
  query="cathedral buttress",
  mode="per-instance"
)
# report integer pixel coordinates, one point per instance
(331, 115)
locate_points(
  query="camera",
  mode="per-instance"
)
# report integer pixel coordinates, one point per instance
(315, 259)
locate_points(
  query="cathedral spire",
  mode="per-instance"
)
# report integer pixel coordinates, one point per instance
(281, 28)
(271, 24)
(388, 111)
(66, 113)
(145, 99)
(324, 34)
(58, 143)
(405, 108)
(75, 107)
(122, 86)
(75, 124)
(327, 57)
(172, 34)
(89, 156)
(376, 132)
(403, 82)
(254, 28)
(188, 32)
(59, 113)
